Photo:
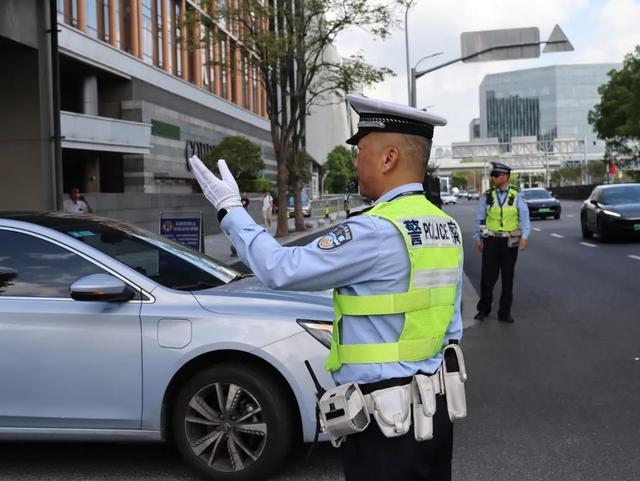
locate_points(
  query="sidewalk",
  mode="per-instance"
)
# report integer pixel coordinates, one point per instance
(219, 247)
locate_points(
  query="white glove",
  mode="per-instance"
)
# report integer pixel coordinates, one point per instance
(223, 194)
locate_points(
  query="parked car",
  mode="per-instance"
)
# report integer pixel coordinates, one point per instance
(110, 332)
(462, 194)
(306, 206)
(473, 195)
(541, 203)
(611, 210)
(447, 198)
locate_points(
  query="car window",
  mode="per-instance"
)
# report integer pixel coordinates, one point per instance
(536, 194)
(157, 258)
(629, 194)
(34, 267)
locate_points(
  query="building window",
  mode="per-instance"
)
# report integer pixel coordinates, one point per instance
(150, 36)
(223, 68)
(158, 34)
(245, 81)
(254, 86)
(176, 51)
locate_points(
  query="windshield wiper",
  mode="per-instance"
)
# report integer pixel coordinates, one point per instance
(196, 286)
(241, 276)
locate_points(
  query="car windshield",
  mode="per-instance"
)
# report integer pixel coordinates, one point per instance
(536, 194)
(161, 260)
(304, 199)
(628, 194)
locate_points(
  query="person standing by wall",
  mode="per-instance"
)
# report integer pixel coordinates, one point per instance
(77, 203)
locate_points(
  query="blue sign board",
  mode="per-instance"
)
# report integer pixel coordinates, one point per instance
(185, 230)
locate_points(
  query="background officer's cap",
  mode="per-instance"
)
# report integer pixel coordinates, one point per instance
(500, 168)
(380, 116)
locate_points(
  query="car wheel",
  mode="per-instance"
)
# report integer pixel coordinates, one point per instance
(233, 422)
(556, 216)
(586, 233)
(602, 232)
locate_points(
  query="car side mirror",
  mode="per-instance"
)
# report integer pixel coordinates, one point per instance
(594, 202)
(101, 288)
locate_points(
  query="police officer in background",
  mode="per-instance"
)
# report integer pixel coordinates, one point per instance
(502, 228)
(397, 273)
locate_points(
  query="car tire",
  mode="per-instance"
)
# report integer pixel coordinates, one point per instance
(233, 422)
(556, 216)
(602, 232)
(586, 233)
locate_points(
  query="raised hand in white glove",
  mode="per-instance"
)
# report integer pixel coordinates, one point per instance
(223, 194)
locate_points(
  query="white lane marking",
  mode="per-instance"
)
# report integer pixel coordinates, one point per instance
(558, 236)
(570, 215)
(631, 256)
(536, 229)
(588, 244)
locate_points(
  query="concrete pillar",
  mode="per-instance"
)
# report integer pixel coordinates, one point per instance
(166, 55)
(133, 28)
(91, 181)
(82, 15)
(113, 22)
(90, 96)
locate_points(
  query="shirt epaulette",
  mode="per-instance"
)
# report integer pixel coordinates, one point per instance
(515, 187)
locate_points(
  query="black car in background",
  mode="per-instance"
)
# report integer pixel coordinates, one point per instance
(541, 203)
(611, 210)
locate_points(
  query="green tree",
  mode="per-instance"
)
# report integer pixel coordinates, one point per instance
(340, 169)
(616, 119)
(597, 171)
(459, 180)
(287, 42)
(244, 158)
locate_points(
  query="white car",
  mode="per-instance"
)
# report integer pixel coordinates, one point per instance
(448, 198)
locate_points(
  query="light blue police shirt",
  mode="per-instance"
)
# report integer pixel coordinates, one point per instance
(371, 258)
(523, 214)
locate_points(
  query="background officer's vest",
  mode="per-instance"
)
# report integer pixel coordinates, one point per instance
(505, 217)
(434, 244)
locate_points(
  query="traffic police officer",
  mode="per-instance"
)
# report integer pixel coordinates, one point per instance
(502, 228)
(401, 247)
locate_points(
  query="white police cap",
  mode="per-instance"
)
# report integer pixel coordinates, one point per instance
(380, 116)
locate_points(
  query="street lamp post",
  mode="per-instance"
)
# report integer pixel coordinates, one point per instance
(406, 46)
(557, 42)
(413, 94)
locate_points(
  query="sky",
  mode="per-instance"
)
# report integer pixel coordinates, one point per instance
(600, 31)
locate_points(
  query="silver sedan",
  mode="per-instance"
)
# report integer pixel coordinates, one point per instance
(110, 332)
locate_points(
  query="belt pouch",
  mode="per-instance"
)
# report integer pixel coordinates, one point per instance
(455, 375)
(424, 407)
(391, 410)
(343, 411)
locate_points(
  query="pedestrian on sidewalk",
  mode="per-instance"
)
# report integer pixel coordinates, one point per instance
(396, 271)
(502, 228)
(267, 208)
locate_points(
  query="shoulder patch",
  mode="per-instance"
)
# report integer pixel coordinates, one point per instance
(339, 236)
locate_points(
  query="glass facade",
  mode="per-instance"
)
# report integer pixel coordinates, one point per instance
(548, 103)
(175, 36)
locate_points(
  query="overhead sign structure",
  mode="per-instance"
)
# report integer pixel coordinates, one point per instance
(558, 42)
(508, 44)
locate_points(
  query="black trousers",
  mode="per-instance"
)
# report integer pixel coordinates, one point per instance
(497, 258)
(370, 456)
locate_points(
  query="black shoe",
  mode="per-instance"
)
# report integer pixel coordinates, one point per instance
(506, 319)
(480, 316)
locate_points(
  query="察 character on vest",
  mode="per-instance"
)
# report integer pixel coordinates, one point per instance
(396, 271)
(502, 228)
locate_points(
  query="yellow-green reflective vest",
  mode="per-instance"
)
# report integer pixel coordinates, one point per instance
(502, 217)
(434, 243)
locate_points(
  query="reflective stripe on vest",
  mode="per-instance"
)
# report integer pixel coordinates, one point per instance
(434, 244)
(505, 217)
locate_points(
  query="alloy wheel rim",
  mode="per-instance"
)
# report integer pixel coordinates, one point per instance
(225, 427)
